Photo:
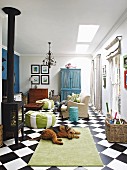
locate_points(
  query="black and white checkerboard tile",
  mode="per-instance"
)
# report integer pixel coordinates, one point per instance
(113, 155)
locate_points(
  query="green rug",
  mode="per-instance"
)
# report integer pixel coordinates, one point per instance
(75, 152)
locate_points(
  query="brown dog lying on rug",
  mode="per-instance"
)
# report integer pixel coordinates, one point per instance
(59, 132)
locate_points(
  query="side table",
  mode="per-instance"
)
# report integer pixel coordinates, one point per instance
(73, 114)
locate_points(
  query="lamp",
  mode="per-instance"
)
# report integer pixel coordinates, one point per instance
(49, 60)
(31, 79)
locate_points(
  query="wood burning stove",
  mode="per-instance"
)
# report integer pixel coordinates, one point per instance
(12, 111)
(12, 120)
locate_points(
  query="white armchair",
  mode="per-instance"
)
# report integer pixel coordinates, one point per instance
(82, 107)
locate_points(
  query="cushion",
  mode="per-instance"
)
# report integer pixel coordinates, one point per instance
(74, 97)
(36, 119)
(63, 108)
(48, 104)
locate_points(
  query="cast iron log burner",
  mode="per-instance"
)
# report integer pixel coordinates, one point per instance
(12, 111)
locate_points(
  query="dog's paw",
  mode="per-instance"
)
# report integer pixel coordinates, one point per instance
(61, 143)
(70, 138)
(78, 133)
(76, 137)
(59, 139)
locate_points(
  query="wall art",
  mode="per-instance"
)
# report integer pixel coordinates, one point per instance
(44, 79)
(35, 69)
(44, 69)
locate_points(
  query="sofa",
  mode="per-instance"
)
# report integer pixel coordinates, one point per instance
(82, 107)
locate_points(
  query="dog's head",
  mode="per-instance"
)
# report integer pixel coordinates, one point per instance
(67, 129)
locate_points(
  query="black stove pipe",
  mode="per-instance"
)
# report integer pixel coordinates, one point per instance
(12, 12)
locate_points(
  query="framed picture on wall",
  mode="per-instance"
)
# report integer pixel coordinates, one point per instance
(44, 69)
(104, 70)
(104, 82)
(35, 69)
(125, 61)
(125, 79)
(35, 79)
(44, 79)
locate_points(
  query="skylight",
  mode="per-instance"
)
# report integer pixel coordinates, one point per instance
(86, 33)
(81, 48)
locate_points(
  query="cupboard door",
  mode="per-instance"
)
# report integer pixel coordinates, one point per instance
(65, 78)
(65, 93)
(75, 79)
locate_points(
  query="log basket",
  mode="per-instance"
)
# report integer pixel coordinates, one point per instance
(116, 133)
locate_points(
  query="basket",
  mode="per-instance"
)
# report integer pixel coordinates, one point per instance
(1, 135)
(116, 132)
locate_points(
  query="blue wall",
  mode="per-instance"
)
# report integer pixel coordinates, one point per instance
(16, 69)
(4, 64)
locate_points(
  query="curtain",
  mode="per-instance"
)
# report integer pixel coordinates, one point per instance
(92, 84)
(114, 50)
(98, 96)
(96, 83)
(115, 84)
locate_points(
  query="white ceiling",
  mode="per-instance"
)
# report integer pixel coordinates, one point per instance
(57, 21)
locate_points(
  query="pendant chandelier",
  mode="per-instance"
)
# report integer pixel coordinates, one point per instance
(49, 60)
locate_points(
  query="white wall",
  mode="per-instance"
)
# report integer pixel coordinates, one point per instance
(122, 30)
(83, 62)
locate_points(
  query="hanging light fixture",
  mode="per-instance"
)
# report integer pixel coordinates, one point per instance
(49, 60)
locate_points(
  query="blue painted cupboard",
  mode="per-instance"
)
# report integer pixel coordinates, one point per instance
(70, 82)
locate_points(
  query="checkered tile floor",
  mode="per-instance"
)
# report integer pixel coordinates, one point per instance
(113, 155)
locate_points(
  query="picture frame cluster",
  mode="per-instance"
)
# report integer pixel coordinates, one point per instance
(39, 74)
